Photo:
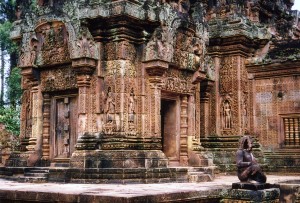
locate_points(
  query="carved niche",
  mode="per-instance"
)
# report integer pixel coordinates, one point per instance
(53, 43)
(226, 115)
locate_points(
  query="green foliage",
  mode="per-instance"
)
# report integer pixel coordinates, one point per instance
(6, 42)
(14, 91)
(7, 10)
(10, 117)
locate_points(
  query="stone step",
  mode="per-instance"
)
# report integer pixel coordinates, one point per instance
(33, 179)
(38, 171)
(28, 179)
(34, 174)
(196, 177)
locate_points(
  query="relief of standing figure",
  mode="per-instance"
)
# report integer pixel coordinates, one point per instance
(247, 165)
(227, 120)
(131, 107)
(110, 107)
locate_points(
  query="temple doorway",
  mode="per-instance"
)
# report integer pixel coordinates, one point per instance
(170, 121)
(63, 133)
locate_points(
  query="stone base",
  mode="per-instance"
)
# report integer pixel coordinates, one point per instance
(17, 159)
(118, 159)
(252, 193)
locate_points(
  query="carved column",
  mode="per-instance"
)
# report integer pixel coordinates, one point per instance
(37, 119)
(31, 118)
(155, 70)
(205, 103)
(46, 128)
(84, 67)
(184, 131)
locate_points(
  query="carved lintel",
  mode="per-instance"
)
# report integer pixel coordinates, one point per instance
(156, 67)
(84, 65)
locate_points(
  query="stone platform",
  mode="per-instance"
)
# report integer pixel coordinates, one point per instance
(209, 192)
(107, 175)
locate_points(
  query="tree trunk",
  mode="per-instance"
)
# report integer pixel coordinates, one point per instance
(2, 76)
(13, 61)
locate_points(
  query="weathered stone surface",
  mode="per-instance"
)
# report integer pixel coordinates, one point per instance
(152, 84)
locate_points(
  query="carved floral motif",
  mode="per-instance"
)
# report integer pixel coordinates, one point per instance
(58, 79)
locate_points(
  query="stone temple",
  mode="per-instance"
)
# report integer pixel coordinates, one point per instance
(156, 90)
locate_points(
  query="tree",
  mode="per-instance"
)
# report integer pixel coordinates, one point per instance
(7, 47)
(9, 115)
(14, 90)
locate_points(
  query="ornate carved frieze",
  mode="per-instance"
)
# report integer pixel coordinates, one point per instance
(120, 68)
(227, 75)
(62, 78)
(120, 50)
(177, 81)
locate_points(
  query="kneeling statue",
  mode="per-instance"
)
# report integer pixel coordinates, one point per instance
(248, 167)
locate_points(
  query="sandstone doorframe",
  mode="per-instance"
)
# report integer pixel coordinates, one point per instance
(170, 127)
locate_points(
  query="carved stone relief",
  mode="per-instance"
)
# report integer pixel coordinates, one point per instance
(177, 81)
(85, 46)
(52, 43)
(226, 115)
(28, 52)
(119, 50)
(62, 78)
(226, 75)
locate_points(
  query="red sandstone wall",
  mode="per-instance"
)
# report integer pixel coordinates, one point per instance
(273, 99)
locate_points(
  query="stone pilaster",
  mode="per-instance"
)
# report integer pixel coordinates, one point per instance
(205, 103)
(184, 131)
(155, 70)
(46, 128)
(84, 67)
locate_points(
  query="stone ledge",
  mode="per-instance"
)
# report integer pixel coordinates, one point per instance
(253, 186)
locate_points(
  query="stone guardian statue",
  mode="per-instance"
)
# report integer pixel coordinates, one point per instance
(247, 165)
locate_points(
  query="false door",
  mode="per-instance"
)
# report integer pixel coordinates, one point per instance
(64, 129)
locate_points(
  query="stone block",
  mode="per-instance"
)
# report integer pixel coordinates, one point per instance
(252, 193)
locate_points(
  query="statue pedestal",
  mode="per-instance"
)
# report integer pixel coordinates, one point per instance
(252, 192)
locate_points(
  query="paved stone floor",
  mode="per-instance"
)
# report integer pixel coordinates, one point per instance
(164, 192)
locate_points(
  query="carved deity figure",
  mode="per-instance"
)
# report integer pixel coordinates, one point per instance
(110, 107)
(247, 165)
(131, 107)
(33, 50)
(227, 118)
